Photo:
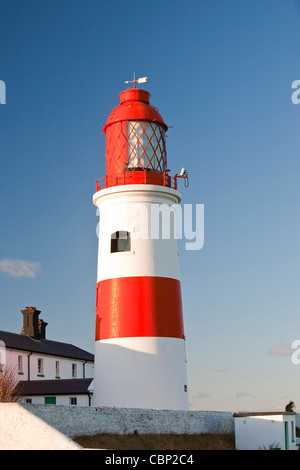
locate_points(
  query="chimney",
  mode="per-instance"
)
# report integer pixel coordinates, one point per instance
(42, 328)
(32, 325)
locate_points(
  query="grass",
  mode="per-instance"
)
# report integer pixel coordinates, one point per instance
(158, 441)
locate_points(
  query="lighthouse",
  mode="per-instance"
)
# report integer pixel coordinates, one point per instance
(140, 356)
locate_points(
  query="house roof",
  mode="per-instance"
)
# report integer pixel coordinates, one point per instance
(44, 346)
(54, 387)
(263, 413)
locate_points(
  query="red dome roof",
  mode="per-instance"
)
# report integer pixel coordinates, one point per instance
(134, 105)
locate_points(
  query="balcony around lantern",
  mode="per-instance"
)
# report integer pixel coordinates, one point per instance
(140, 176)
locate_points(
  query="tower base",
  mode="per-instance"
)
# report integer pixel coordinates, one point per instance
(141, 372)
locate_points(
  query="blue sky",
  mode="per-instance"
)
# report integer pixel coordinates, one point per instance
(220, 73)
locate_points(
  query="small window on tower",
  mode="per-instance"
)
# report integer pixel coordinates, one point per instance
(120, 241)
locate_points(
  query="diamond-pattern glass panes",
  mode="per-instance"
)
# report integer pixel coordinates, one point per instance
(146, 146)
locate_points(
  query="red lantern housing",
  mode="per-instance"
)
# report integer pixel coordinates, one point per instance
(135, 143)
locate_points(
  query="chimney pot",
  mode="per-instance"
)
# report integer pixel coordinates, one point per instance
(32, 325)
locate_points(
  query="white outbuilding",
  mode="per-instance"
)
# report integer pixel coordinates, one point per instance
(265, 430)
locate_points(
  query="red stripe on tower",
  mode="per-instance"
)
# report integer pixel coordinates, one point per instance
(155, 310)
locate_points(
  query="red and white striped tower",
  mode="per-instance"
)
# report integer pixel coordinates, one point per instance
(140, 345)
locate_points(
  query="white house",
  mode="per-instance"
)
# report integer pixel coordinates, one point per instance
(49, 371)
(265, 430)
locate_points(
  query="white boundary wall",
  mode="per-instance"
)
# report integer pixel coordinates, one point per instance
(80, 420)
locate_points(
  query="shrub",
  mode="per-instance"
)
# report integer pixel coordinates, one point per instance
(8, 385)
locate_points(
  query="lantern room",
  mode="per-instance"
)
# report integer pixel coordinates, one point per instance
(135, 143)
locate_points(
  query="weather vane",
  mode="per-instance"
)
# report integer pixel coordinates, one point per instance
(139, 80)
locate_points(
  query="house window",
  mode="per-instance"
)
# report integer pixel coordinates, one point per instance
(40, 367)
(120, 241)
(74, 371)
(73, 400)
(57, 370)
(28, 400)
(2, 355)
(20, 364)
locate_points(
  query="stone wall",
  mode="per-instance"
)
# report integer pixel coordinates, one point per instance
(79, 420)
